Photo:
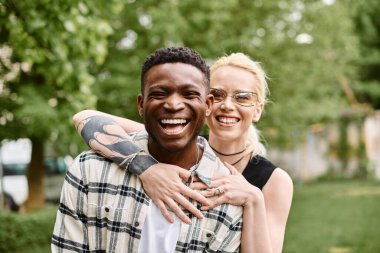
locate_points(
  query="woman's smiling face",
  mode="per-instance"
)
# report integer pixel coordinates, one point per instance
(229, 120)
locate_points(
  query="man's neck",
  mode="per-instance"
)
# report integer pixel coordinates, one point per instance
(185, 158)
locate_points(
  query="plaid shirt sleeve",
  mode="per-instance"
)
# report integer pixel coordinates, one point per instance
(70, 231)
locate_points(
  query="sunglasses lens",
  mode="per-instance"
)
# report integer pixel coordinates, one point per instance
(245, 98)
(219, 95)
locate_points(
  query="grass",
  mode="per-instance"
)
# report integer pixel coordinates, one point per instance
(42, 249)
(326, 217)
(334, 217)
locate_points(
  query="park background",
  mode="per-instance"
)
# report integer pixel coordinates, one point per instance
(322, 124)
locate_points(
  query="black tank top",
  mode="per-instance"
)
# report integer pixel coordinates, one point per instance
(258, 171)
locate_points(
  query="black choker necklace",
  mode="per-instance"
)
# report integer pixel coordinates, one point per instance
(227, 154)
(238, 161)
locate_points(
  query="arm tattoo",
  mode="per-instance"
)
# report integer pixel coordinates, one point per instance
(117, 147)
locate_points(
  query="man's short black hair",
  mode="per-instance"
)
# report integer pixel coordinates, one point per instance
(175, 55)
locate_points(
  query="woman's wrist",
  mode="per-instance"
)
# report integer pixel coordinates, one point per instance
(255, 197)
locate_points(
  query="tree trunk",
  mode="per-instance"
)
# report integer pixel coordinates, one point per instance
(35, 175)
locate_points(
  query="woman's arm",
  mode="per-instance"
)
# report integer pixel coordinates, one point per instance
(264, 212)
(163, 183)
(278, 194)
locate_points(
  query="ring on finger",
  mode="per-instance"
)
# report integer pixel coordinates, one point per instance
(218, 191)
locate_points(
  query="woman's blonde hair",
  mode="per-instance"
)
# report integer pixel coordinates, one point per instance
(243, 61)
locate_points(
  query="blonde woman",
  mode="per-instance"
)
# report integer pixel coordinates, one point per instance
(265, 191)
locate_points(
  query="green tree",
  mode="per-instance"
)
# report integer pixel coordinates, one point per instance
(303, 47)
(367, 24)
(49, 54)
(307, 65)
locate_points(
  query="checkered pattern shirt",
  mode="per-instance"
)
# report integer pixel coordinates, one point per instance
(103, 209)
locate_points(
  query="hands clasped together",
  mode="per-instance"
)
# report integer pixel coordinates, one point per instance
(164, 184)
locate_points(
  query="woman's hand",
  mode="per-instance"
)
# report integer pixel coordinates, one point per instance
(233, 189)
(164, 184)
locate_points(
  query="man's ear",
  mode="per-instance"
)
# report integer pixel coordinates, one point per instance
(209, 104)
(257, 110)
(140, 105)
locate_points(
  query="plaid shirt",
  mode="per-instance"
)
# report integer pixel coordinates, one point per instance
(103, 209)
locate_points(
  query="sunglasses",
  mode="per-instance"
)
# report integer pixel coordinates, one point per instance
(243, 98)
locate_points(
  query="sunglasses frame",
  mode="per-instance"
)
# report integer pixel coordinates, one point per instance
(233, 96)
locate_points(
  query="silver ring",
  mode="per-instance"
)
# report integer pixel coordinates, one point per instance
(218, 191)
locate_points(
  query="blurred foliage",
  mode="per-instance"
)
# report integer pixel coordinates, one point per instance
(49, 55)
(26, 231)
(367, 24)
(343, 149)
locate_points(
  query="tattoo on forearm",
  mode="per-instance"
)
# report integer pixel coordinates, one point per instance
(115, 146)
(96, 124)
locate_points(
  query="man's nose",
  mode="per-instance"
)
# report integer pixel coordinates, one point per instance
(174, 103)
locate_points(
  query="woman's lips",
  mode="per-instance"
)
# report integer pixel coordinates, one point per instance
(228, 121)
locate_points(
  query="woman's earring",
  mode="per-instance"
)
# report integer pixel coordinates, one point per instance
(208, 112)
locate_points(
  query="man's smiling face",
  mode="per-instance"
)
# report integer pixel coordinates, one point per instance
(173, 106)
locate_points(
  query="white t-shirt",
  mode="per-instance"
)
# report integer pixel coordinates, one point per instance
(159, 235)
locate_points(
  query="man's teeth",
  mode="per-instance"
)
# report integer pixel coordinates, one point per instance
(173, 126)
(227, 120)
(173, 121)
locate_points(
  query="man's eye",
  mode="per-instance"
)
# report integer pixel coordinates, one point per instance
(156, 94)
(191, 94)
